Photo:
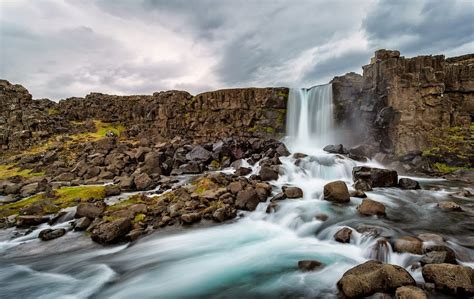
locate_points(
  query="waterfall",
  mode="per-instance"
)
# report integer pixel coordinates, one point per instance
(310, 124)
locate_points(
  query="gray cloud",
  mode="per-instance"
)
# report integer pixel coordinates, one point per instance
(130, 47)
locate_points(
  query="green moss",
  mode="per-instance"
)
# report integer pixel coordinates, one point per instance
(110, 218)
(101, 131)
(215, 164)
(134, 199)
(269, 130)
(139, 218)
(253, 129)
(53, 111)
(10, 170)
(281, 116)
(62, 198)
(203, 184)
(283, 93)
(441, 167)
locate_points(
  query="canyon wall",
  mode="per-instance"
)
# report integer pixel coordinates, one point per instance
(247, 113)
(411, 106)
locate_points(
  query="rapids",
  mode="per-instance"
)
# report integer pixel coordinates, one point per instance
(255, 255)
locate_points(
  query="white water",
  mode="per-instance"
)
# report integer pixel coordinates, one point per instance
(254, 256)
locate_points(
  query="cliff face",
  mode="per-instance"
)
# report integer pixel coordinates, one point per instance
(249, 112)
(409, 105)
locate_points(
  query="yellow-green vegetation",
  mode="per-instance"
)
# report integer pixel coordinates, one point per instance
(283, 94)
(203, 184)
(134, 199)
(10, 170)
(101, 131)
(53, 111)
(441, 167)
(215, 164)
(61, 198)
(453, 143)
(281, 116)
(139, 218)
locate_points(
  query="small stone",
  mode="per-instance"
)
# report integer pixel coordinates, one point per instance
(309, 265)
(50, 234)
(293, 192)
(343, 235)
(321, 217)
(190, 218)
(409, 184)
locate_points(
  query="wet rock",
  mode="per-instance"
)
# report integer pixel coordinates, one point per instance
(335, 149)
(272, 208)
(309, 265)
(223, 214)
(449, 256)
(50, 234)
(431, 238)
(321, 217)
(112, 190)
(278, 196)
(126, 183)
(143, 182)
(188, 168)
(358, 193)
(243, 171)
(82, 224)
(134, 234)
(372, 277)
(27, 221)
(268, 173)
(370, 207)
(409, 184)
(336, 192)
(111, 232)
(190, 218)
(362, 185)
(282, 150)
(343, 235)
(293, 192)
(299, 155)
(377, 177)
(89, 210)
(449, 206)
(452, 279)
(408, 244)
(410, 292)
(247, 200)
(438, 257)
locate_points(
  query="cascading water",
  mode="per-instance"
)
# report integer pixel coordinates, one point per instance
(254, 256)
(310, 124)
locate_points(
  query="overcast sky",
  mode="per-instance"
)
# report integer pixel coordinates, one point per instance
(64, 48)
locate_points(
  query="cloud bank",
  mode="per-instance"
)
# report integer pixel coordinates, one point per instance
(59, 49)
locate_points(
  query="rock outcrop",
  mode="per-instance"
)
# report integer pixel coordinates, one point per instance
(411, 108)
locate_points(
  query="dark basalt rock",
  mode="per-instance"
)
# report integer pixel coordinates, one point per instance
(247, 200)
(268, 173)
(111, 232)
(343, 235)
(50, 234)
(376, 177)
(406, 183)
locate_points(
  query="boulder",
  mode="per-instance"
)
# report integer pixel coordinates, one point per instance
(112, 190)
(89, 210)
(449, 206)
(336, 192)
(309, 265)
(223, 214)
(408, 184)
(199, 154)
(247, 200)
(189, 168)
(11, 188)
(362, 185)
(278, 196)
(372, 277)
(377, 177)
(343, 235)
(50, 234)
(111, 232)
(235, 187)
(408, 244)
(370, 207)
(410, 292)
(282, 150)
(82, 224)
(29, 189)
(243, 171)
(268, 173)
(65, 177)
(126, 183)
(431, 238)
(438, 257)
(293, 192)
(143, 182)
(190, 218)
(452, 279)
(334, 149)
(27, 221)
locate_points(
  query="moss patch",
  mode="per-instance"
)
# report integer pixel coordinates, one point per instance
(203, 184)
(62, 198)
(101, 131)
(10, 170)
(139, 218)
